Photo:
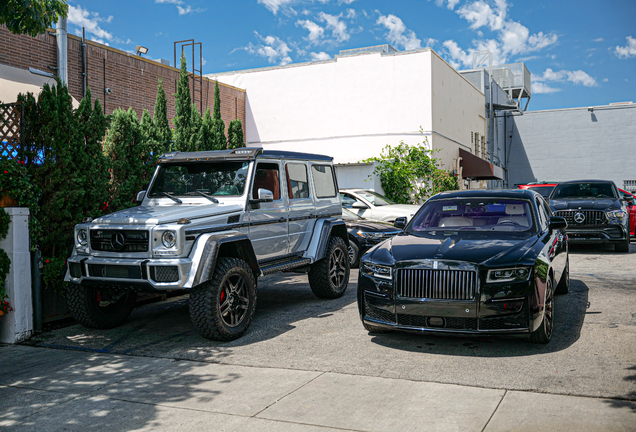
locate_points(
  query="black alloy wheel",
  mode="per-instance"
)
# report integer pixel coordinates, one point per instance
(329, 276)
(99, 308)
(354, 254)
(543, 334)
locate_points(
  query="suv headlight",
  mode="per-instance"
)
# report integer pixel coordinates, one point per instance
(82, 237)
(517, 274)
(169, 239)
(378, 271)
(615, 214)
(370, 235)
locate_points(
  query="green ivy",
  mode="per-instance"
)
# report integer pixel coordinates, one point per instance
(410, 174)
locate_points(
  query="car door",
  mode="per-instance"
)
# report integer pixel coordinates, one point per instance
(302, 209)
(555, 240)
(268, 229)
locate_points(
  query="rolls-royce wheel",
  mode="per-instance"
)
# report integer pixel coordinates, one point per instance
(564, 284)
(222, 308)
(622, 246)
(329, 277)
(354, 254)
(374, 329)
(543, 334)
(99, 308)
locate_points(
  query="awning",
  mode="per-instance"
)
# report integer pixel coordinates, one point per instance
(14, 81)
(476, 168)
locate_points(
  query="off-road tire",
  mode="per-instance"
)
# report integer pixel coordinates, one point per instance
(212, 303)
(354, 254)
(543, 334)
(84, 304)
(325, 281)
(564, 284)
(622, 247)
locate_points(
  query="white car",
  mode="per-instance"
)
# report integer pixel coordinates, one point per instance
(374, 206)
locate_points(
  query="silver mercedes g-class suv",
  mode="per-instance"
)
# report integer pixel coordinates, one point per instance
(212, 223)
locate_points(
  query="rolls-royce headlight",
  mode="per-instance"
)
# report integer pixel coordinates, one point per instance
(82, 237)
(378, 271)
(615, 214)
(517, 274)
(169, 239)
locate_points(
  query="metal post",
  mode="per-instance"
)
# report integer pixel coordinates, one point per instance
(36, 286)
(62, 50)
(83, 62)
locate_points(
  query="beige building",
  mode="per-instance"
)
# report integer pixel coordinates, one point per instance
(351, 106)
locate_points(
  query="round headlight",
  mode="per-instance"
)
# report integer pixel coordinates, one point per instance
(169, 239)
(82, 238)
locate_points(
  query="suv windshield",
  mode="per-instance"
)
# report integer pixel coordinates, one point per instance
(190, 179)
(375, 198)
(584, 190)
(473, 214)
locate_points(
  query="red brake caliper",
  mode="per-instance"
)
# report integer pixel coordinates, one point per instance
(222, 296)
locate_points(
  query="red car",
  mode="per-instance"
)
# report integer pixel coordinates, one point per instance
(546, 188)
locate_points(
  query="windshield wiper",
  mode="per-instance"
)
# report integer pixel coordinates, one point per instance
(169, 195)
(210, 197)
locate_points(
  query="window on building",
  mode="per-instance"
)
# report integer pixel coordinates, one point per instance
(324, 183)
(297, 184)
(629, 185)
(484, 153)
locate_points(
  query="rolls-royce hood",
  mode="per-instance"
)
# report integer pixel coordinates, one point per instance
(156, 215)
(585, 204)
(455, 248)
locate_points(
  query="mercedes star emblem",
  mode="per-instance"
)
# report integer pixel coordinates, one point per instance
(579, 217)
(118, 241)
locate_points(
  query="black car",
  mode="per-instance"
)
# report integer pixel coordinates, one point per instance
(364, 234)
(595, 212)
(482, 262)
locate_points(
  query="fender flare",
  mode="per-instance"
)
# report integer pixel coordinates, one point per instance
(236, 245)
(330, 227)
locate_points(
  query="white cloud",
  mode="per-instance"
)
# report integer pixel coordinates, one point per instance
(83, 18)
(351, 14)
(348, 2)
(176, 2)
(541, 88)
(319, 56)
(399, 35)
(458, 56)
(480, 14)
(628, 50)
(450, 4)
(576, 77)
(315, 31)
(598, 40)
(605, 79)
(188, 9)
(272, 47)
(275, 5)
(337, 27)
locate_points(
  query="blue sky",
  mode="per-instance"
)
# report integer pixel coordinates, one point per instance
(580, 52)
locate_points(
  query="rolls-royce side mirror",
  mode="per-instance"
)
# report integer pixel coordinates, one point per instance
(359, 205)
(140, 196)
(400, 222)
(557, 222)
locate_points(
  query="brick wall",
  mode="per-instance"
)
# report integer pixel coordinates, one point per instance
(132, 79)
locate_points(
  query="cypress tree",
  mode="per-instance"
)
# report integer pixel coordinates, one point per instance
(183, 110)
(150, 147)
(205, 139)
(235, 134)
(196, 126)
(218, 127)
(163, 133)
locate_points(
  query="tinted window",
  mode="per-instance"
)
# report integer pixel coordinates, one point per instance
(347, 200)
(297, 184)
(323, 181)
(543, 217)
(584, 190)
(543, 190)
(226, 178)
(474, 214)
(266, 177)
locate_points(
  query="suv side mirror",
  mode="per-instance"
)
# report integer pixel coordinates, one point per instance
(557, 222)
(359, 205)
(264, 195)
(140, 196)
(400, 222)
(628, 201)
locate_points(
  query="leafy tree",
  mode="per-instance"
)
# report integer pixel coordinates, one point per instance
(123, 146)
(31, 17)
(235, 134)
(218, 127)
(205, 139)
(409, 174)
(196, 126)
(163, 133)
(150, 147)
(183, 110)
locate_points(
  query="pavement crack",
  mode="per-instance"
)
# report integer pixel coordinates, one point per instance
(495, 410)
(291, 392)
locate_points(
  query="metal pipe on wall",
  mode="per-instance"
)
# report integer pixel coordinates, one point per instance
(62, 50)
(83, 62)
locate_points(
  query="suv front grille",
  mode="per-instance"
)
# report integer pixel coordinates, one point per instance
(592, 217)
(436, 284)
(164, 273)
(109, 240)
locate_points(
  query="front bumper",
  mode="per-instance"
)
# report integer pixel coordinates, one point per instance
(133, 274)
(598, 234)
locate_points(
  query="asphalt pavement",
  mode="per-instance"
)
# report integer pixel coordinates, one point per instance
(307, 364)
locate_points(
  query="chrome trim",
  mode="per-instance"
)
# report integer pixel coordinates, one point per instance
(440, 284)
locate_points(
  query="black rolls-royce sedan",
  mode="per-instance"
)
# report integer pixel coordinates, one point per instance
(486, 261)
(364, 234)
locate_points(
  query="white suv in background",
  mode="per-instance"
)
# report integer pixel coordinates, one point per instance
(374, 206)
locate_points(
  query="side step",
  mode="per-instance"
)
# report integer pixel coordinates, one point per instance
(283, 265)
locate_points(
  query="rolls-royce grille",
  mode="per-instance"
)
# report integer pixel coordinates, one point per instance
(436, 284)
(119, 240)
(583, 217)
